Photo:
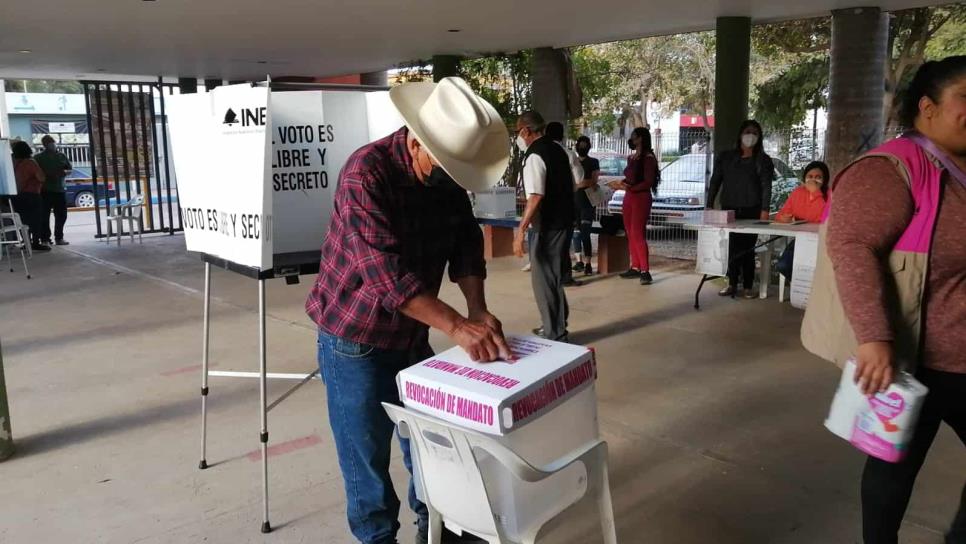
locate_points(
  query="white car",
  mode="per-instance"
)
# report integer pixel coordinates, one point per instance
(682, 189)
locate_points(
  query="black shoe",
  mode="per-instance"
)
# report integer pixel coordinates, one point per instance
(61, 242)
(37, 246)
(646, 278)
(630, 273)
(588, 270)
(579, 267)
(538, 331)
(570, 282)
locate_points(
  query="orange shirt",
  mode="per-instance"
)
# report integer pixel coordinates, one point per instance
(804, 206)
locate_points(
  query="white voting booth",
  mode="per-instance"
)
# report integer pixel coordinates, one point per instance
(257, 170)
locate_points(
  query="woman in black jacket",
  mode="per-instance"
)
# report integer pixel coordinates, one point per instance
(742, 181)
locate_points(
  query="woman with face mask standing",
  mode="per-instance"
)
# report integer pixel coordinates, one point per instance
(890, 290)
(640, 179)
(742, 180)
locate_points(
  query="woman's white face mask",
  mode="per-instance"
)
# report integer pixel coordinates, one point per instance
(749, 140)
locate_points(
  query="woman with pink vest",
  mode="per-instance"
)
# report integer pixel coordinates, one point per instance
(896, 240)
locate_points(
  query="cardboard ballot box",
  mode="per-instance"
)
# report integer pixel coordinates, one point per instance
(542, 406)
(500, 397)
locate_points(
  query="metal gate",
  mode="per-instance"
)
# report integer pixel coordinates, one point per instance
(130, 153)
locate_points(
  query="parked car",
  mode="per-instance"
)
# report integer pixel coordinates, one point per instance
(80, 189)
(682, 189)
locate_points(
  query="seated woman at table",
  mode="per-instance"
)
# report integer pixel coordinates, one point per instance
(806, 203)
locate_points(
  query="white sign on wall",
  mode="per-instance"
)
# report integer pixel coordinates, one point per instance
(220, 145)
(61, 128)
(305, 139)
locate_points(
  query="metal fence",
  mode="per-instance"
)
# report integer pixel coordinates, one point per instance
(129, 151)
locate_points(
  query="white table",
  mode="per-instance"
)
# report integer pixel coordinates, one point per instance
(806, 250)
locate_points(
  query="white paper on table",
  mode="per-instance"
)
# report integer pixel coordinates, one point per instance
(803, 269)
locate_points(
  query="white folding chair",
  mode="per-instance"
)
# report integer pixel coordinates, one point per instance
(10, 224)
(467, 479)
(130, 212)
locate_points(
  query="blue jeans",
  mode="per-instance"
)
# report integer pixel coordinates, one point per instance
(358, 378)
(787, 260)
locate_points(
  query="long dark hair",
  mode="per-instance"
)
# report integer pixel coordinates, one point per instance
(21, 150)
(825, 175)
(930, 80)
(759, 148)
(645, 135)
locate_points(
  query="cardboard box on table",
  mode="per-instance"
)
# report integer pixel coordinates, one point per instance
(542, 406)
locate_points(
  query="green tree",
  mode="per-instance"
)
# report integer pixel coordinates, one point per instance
(784, 101)
(45, 86)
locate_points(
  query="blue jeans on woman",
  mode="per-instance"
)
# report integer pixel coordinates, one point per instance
(358, 378)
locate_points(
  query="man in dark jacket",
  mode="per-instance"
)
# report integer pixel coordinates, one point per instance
(549, 183)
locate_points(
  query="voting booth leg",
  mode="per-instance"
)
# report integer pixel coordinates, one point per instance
(263, 437)
(204, 368)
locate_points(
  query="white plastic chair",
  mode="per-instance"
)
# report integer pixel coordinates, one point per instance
(130, 211)
(464, 478)
(10, 223)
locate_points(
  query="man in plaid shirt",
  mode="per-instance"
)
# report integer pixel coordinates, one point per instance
(399, 221)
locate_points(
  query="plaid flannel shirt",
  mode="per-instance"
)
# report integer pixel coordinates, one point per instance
(391, 238)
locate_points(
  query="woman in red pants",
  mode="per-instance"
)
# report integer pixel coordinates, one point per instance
(640, 179)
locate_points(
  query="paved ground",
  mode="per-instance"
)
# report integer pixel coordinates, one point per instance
(713, 417)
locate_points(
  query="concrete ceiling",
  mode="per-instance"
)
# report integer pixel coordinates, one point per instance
(247, 39)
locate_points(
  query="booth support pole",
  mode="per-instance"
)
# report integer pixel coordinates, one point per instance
(204, 368)
(263, 437)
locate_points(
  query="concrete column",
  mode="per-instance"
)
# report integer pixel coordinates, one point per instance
(379, 79)
(187, 85)
(856, 84)
(445, 66)
(549, 73)
(6, 437)
(731, 72)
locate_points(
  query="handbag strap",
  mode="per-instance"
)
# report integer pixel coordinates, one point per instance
(929, 147)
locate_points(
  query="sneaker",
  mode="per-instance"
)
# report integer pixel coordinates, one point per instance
(579, 267)
(62, 242)
(646, 278)
(538, 331)
(750, 294)
(728, 291)
(526, 268)
(630, 273)
(588, 270)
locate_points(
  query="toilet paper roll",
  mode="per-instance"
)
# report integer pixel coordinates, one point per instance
(846, 404)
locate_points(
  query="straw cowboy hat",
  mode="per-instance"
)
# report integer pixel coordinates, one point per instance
(462, 132)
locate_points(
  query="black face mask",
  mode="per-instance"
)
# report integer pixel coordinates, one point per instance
(438, 178)
(583, 150)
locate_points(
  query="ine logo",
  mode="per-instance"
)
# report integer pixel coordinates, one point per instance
(247, 117)
(230, 117)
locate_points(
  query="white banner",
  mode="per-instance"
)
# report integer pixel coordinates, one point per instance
(220, 147)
